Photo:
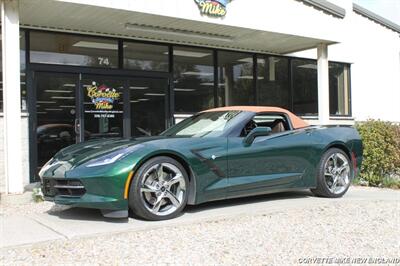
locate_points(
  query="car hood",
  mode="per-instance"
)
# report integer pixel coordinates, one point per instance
(85, 151)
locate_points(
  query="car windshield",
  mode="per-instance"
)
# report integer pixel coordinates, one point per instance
(207, 124)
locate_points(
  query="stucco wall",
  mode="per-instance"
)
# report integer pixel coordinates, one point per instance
(283, 16)
(374, 52)
(25, 152)
(2, 176)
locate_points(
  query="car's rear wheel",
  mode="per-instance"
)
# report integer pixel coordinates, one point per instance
(159, 189)
(334, 174)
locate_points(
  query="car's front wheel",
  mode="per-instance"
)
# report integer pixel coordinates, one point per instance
(334, 174)
(159, 189)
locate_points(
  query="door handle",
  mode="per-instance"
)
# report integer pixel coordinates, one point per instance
(77, 126)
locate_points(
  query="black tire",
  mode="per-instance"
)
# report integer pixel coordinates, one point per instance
(137, 202)
(322, 189)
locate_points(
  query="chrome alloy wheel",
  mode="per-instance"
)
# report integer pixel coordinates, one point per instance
(337, 173)
(163, 189)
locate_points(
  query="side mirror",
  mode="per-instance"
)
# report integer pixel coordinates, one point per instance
(256, 132)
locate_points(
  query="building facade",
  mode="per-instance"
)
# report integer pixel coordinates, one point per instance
(75, 70)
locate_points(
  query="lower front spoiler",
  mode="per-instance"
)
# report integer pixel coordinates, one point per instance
(110, 207)
(115, 213)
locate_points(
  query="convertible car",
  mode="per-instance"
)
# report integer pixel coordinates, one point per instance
(221, 153)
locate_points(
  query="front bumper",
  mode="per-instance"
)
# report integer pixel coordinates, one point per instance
(104, 193)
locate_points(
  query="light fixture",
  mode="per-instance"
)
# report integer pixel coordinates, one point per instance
(143, 100)
(154, 94)
(46, 102)
(69, 85)
(53, 109)
(138, 88)
(189, 53)
(135, 101)
(67, 106)
(62, 97)
(60, 91)
(96, 45)
(178, 32)
(309, 66)
(249, 77)
(211, 84)
(246, 60)
(180, 89)
(193, 73)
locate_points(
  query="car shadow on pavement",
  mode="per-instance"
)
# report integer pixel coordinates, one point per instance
(248, 200)
(84, 214)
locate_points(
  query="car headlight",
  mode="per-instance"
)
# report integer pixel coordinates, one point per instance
(45, 167)
(112, 157)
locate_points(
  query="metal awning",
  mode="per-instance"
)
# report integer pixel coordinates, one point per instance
(96, 20)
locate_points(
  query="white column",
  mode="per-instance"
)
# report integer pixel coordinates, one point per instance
(11, 96)
(323, 84)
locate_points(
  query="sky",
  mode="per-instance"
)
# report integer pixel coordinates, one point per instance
(389, 9)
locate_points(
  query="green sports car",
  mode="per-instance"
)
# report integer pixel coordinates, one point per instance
(221, 153)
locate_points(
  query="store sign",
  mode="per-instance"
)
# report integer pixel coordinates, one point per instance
(102, 97)
(213, 8)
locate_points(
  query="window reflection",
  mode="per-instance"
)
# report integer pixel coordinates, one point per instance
(143, 56)
(66, 49)
(147, 101)
(55, 109)
(273, 81)
(339, 93)
(235, 73)
(305, 87)
(193, 79)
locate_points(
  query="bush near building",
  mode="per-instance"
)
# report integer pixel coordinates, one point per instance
(381, 148)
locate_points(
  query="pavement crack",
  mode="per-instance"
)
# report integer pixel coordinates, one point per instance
(49, 227)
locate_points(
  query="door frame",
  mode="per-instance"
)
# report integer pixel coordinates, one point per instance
(31, 80)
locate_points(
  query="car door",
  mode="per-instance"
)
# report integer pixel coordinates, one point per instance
(280, 160)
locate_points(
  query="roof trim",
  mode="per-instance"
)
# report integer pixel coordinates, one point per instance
(375, 17)
(327, 7)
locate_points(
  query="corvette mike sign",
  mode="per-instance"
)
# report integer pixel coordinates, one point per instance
(213, 8)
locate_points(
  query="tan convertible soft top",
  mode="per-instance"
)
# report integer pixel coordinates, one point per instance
(297, 122)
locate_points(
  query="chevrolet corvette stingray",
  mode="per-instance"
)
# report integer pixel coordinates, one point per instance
(227, 152)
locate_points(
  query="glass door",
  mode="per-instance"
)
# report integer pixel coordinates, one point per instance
(148, 106)
(56, 115)
(103, 107)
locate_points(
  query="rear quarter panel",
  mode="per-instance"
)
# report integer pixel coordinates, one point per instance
(342, 137)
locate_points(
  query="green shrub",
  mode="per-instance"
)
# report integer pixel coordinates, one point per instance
(37, 195)
(381, 152)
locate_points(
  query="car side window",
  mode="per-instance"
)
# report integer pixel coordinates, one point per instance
(277, 122)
